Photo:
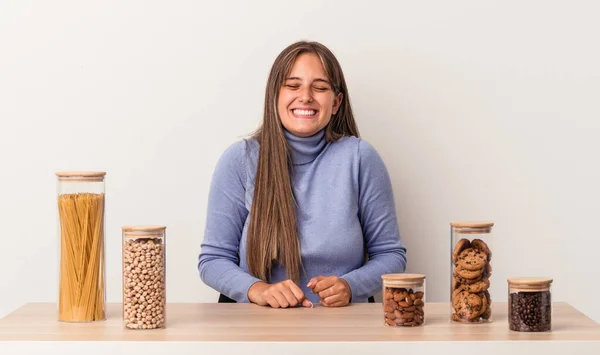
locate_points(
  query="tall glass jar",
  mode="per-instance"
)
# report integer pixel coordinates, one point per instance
(529, 304)
(471, 271)
(81, 226)
(144, 277)
(403, 300)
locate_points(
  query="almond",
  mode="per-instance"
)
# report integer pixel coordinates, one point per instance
(407, 315)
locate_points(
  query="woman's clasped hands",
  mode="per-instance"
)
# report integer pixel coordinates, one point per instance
(332, 290)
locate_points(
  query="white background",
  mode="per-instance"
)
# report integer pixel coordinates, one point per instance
(482, 110)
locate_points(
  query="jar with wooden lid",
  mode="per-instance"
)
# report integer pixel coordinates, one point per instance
(529, 304)
(81, 253)
(144, 277)
(403, 300)
(471, 272)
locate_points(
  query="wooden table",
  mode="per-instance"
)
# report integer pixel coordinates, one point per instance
(198, 328)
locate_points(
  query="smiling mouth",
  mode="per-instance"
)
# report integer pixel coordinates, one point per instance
(304, 113)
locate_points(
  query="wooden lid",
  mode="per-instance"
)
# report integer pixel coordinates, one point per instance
(472, 224)
(529, 281)
(149, 228)
(472, 227)
(403, 277)
(529, 284)
(79, 176)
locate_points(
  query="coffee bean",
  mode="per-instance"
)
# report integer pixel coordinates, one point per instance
(530, 311)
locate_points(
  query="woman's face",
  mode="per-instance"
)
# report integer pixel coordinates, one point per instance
(306, 99)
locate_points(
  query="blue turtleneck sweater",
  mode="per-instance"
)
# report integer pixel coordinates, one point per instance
(345, 207)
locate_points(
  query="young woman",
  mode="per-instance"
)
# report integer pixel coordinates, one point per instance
(303, 211)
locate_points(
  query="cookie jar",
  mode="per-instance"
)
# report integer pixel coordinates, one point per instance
(81, 258)
(144, 277)
(471, 272)
(403, 300)
(529, 304)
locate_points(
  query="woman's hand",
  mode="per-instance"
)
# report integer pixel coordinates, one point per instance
(283, 294)
(334, 291)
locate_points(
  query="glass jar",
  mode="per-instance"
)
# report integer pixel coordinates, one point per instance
(144, 277)
(81, 226)
(529, 304)
(403, 300)
(470, 272)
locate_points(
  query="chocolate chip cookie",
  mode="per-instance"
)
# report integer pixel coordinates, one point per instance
(482, 246)
(487, 295)
(472, 259)
(484, 304)
(462, 281)
(463, 273)
(488, 313)
(487, 270)
(456, 318)
(459, 247)
(477, 287)
(468, 305)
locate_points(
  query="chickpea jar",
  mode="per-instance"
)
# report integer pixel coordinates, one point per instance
(529, 304)
(144, 277)
(471, 272)
(403, 300)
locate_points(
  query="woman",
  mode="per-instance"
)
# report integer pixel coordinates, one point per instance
(294, 210)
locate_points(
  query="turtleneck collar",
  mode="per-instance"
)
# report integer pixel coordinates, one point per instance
(305, 149)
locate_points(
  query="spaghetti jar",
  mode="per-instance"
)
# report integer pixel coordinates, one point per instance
(144, 277)
(529, 304)
(471, 272)
(403, 300)
(81, 226)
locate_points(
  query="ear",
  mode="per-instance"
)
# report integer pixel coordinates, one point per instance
(337, 102)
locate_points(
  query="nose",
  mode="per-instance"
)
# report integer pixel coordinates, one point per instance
(305, 95)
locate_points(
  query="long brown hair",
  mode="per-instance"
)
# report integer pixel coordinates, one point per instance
(272, 233)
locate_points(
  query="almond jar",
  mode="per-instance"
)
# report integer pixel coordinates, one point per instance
(144, 277)
(529, 304)
(471, 272)
(403, 300)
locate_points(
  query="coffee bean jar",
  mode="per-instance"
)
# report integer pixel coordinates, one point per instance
(144, 272)
(529, 304)
(471, 272)
(403, 300)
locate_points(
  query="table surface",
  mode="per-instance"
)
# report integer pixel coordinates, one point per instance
(211, 322)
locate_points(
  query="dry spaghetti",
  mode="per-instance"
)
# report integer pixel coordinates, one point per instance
(81, 284)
